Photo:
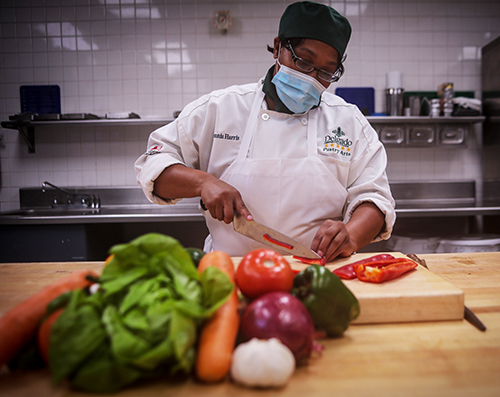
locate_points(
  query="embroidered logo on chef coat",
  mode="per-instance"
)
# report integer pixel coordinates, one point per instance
(154, 150)
(337, 143)
(227, 137)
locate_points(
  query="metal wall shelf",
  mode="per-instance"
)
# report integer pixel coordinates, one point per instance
(401, 131)
(27, 127)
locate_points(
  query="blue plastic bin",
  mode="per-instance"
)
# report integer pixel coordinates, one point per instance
(40, 99)
(362, 97)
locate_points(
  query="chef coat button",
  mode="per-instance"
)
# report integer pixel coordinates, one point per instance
(304, 121)
(265, 116)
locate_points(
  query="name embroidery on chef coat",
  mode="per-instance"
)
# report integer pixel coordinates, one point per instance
(227, 137)
(337, 143)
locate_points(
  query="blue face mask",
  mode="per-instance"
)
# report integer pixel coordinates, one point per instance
(298, 91)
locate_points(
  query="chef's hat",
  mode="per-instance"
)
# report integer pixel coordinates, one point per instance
(310, 20)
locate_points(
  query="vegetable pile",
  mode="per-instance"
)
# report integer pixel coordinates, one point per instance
(159, 309)
(142, 321)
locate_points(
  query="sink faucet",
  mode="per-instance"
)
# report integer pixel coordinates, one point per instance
(68, 194)
(86, 200)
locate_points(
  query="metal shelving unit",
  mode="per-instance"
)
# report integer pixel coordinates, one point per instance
(393, 130)
(27, 127)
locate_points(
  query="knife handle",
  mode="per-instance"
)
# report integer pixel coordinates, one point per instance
(468, 313)
(202, 205)
(472, 318)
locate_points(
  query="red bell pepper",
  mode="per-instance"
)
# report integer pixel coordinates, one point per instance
(378, 272)
(347, 272)
(267, 237)
(319, 261)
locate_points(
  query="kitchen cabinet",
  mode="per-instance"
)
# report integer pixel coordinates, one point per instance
(402, 131)
(69, 242)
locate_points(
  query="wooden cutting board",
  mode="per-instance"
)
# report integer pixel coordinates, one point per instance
(419, 295)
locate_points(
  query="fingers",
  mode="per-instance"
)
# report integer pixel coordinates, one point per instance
(222, 212)
(243, 210)
(332, 240)
(222, 201)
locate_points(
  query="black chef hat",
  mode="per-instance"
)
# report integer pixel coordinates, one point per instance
(310, 20)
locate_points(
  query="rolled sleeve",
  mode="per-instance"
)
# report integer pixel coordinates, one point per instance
(368, 183)
(163, 151)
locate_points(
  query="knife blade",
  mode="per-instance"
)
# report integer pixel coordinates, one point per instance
(271, 238)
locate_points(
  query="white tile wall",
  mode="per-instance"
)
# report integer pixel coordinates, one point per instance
(153, 57)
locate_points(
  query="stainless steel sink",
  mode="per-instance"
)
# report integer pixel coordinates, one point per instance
(118, 204)
(128, 204)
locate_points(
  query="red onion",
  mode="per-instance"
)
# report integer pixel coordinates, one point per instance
(282, 316)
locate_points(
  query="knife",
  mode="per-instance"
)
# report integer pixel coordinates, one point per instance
(269, 237)
(468, 313)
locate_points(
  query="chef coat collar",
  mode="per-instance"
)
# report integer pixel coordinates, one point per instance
(270, 90)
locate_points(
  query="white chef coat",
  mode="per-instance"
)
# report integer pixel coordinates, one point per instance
(208, 133)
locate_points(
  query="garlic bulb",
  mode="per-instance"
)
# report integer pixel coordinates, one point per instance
(262, 363)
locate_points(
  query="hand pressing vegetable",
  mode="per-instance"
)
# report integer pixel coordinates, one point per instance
(19, 325)
(218, 334)
(330, 303)
(263, 270)
(262, 363)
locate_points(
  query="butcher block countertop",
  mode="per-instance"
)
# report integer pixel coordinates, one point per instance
(421, 358)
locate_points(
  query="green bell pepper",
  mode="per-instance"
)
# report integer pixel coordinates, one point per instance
(196, 254)
(330, 303)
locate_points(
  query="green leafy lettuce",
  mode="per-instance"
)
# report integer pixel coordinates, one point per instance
(142, 322)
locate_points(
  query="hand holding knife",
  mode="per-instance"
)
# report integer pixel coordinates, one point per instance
(269, 237)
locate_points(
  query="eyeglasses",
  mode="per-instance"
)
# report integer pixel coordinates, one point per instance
(308, 67)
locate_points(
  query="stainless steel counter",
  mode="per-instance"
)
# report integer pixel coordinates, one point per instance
(128, 204)
(44, 229)
(118, 205)
(185, 211)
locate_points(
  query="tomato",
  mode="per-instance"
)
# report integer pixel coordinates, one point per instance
(261, 271)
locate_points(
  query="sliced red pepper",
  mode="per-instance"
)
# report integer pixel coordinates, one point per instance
(267, 237)
(376, 273)
(319, 261)
(347, 272)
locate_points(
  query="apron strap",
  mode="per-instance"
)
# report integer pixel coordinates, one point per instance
(251, 123)
(312, 132)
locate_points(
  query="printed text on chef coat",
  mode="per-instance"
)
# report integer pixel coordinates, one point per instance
(333, 143)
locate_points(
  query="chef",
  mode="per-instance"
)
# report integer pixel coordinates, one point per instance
(283, 151)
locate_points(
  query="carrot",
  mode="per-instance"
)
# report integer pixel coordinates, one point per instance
(20, 323)
(218, 335)
(43, 336)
